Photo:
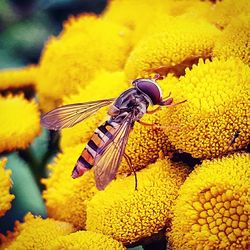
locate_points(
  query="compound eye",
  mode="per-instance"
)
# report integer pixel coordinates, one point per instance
(135, 82)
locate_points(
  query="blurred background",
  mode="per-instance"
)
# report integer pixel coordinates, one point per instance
(26, 24)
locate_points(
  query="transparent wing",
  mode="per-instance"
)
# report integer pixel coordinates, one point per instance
(110, 155)
(69, 115)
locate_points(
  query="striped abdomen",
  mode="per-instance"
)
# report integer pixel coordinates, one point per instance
(102, 135)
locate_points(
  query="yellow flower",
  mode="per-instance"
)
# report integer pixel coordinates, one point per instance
(35, 233)
(234, 40)
(86, 240)
(20, 122)
(17, 78)
(5, 185)
(217, 95)
(104, 86)
(224, 11)
(128, 215)
(64, 196)
(177, 46)
(87, 44)
(212, 210)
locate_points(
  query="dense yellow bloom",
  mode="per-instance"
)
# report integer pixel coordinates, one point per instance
(234, 40)
(64, 196)
(19, 121)
(16, 78)
(35, 233)
(212, 210)
(178, 45)
(224, 11)
(104, 86)
(5, 185)
(86, 240)
(128, 215)
(87, 44)
(217, 95)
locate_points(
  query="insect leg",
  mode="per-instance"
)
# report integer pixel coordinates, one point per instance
(154, 110)
(127, 158)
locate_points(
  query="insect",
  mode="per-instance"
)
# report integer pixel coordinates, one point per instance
(105, 149)
(236, 135)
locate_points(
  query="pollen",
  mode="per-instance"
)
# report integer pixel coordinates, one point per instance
(86, 240)
(35, 233)
(17, 78)
(19, 121)
(161, 53)
(104, 86)
(62, 191)
(5, 185)
(128, 215)
(212, 210)
(70, 60)
(217, 95)
(234, 40)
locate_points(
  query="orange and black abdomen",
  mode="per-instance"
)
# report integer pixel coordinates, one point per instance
(103, 134)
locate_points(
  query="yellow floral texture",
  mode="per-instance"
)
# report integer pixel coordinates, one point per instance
(128, 215)
(35, 233)
(5, 185)
(217, 95)
(212, 210)
(19, 121)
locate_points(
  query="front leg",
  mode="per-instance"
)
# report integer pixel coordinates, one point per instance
(154, 110)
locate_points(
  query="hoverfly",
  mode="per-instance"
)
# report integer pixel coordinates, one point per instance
(105, 149)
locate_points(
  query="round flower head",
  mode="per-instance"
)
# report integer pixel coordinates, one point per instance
(64, 196)
(35, 233)
(87, 44)
(86, 240)
(5, 185)
(177, 46)
(104, 86)
(224, 11)
(17, 78)
(128, 215)
(19, 121)
(212, 210)
(217, 95)
(234, 40)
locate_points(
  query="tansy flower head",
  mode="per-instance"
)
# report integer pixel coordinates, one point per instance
(17, 78)
(35, 233)
(212, 210)
(86, 240)
(224, 11)
(5, 185)
(177, 46)
(234, 40)
(66, 197)
(128, 215)
(19, 121)
(88, 43)
(104, 86)
(217, 95)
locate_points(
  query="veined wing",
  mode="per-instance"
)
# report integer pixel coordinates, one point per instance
(69, 115)
(110, 156)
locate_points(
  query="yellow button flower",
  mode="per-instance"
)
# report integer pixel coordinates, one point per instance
(87, 44)
(5, 185)
(222, 13)
(234, 40)
(217, 95)
(35, 233)
(128, 215)
(64, 196)
(86, 240)
(178, 46)
(104, 86)
(19, 121)
(17, 78)
(212, 210)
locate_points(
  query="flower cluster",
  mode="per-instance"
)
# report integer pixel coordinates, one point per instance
(201, 51)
